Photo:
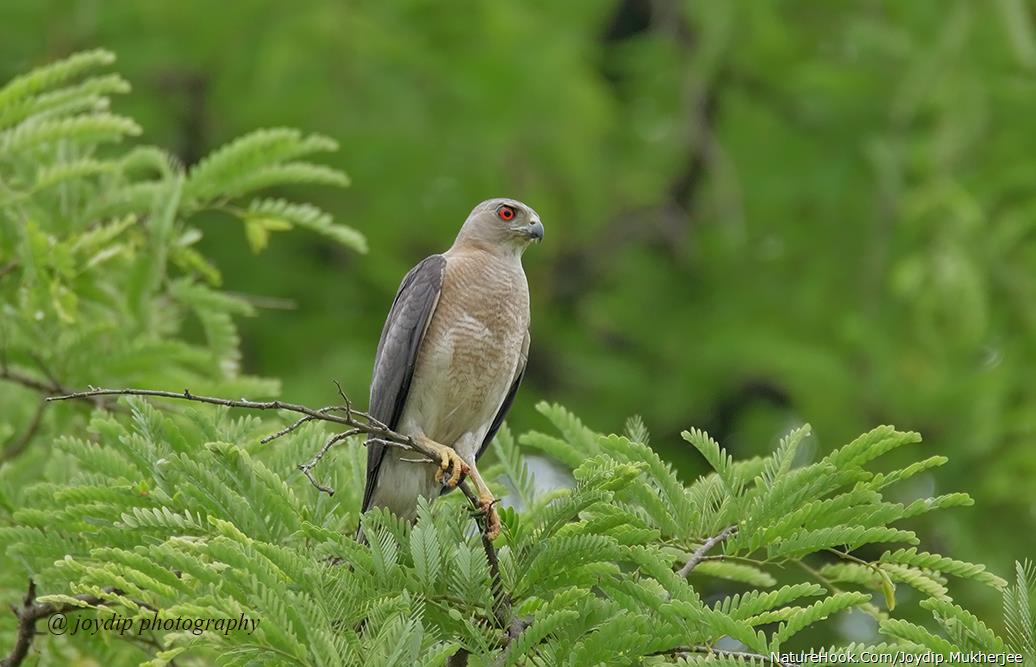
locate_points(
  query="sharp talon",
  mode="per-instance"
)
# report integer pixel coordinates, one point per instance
(487, 505)
(460, 472)
(451, 469)
(457, 468)
(493, 530)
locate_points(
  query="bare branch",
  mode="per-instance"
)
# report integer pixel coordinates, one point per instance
(307, 468)
(345, 399)
(42, 366)
(313, 480)
(358, 421)
(31, 611)
(48, 387)
(347, 408)
(707, 546)
(17, 444)
(502, 601)
(294, 425)
(30, 381)
(188, 396)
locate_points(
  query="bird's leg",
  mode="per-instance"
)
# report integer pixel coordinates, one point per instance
(449, 462)
(487, 503)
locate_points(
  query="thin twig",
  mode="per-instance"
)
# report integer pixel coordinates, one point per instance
(30, 382)
(347, 408)
(49, 387)
(357, 420)
(830, 585)
(17, 444)
(744, 559)
(186, 395)
(294, 425)
(345, 399)
(307, 468)
(502, 601)
(844, 555)
(705, 548)
(43, 368)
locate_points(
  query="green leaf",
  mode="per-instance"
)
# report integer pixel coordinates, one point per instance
(944, 564)
(278, 214)
(816, 612)
(742, 572)
(717, 457)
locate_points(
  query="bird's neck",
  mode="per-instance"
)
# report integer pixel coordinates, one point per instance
(507, 253)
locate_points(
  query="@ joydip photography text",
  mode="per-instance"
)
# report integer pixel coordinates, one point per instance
(59, 624)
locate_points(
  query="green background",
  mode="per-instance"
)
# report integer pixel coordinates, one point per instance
(757, 213)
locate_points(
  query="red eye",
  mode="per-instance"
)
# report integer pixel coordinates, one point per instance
(506, 213)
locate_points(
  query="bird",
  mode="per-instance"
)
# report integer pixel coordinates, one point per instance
(450, 360)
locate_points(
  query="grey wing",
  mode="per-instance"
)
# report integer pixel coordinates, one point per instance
(394, 362)
(498, 420)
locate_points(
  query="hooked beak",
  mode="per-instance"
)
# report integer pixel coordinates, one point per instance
(535, 231)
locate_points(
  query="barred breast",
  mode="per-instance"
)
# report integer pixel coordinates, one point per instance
(471, 348)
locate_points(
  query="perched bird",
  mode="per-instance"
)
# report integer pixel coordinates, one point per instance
(451, 358)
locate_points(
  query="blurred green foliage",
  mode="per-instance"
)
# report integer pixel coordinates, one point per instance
(757, 213)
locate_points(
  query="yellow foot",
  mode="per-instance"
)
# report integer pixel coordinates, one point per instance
(452, 468)
(488, 506)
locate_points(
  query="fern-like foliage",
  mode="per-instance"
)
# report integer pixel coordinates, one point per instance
(101, 279)
(187, 514)
(102, 282)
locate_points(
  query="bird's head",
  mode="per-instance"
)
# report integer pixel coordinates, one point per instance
(502, 224)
